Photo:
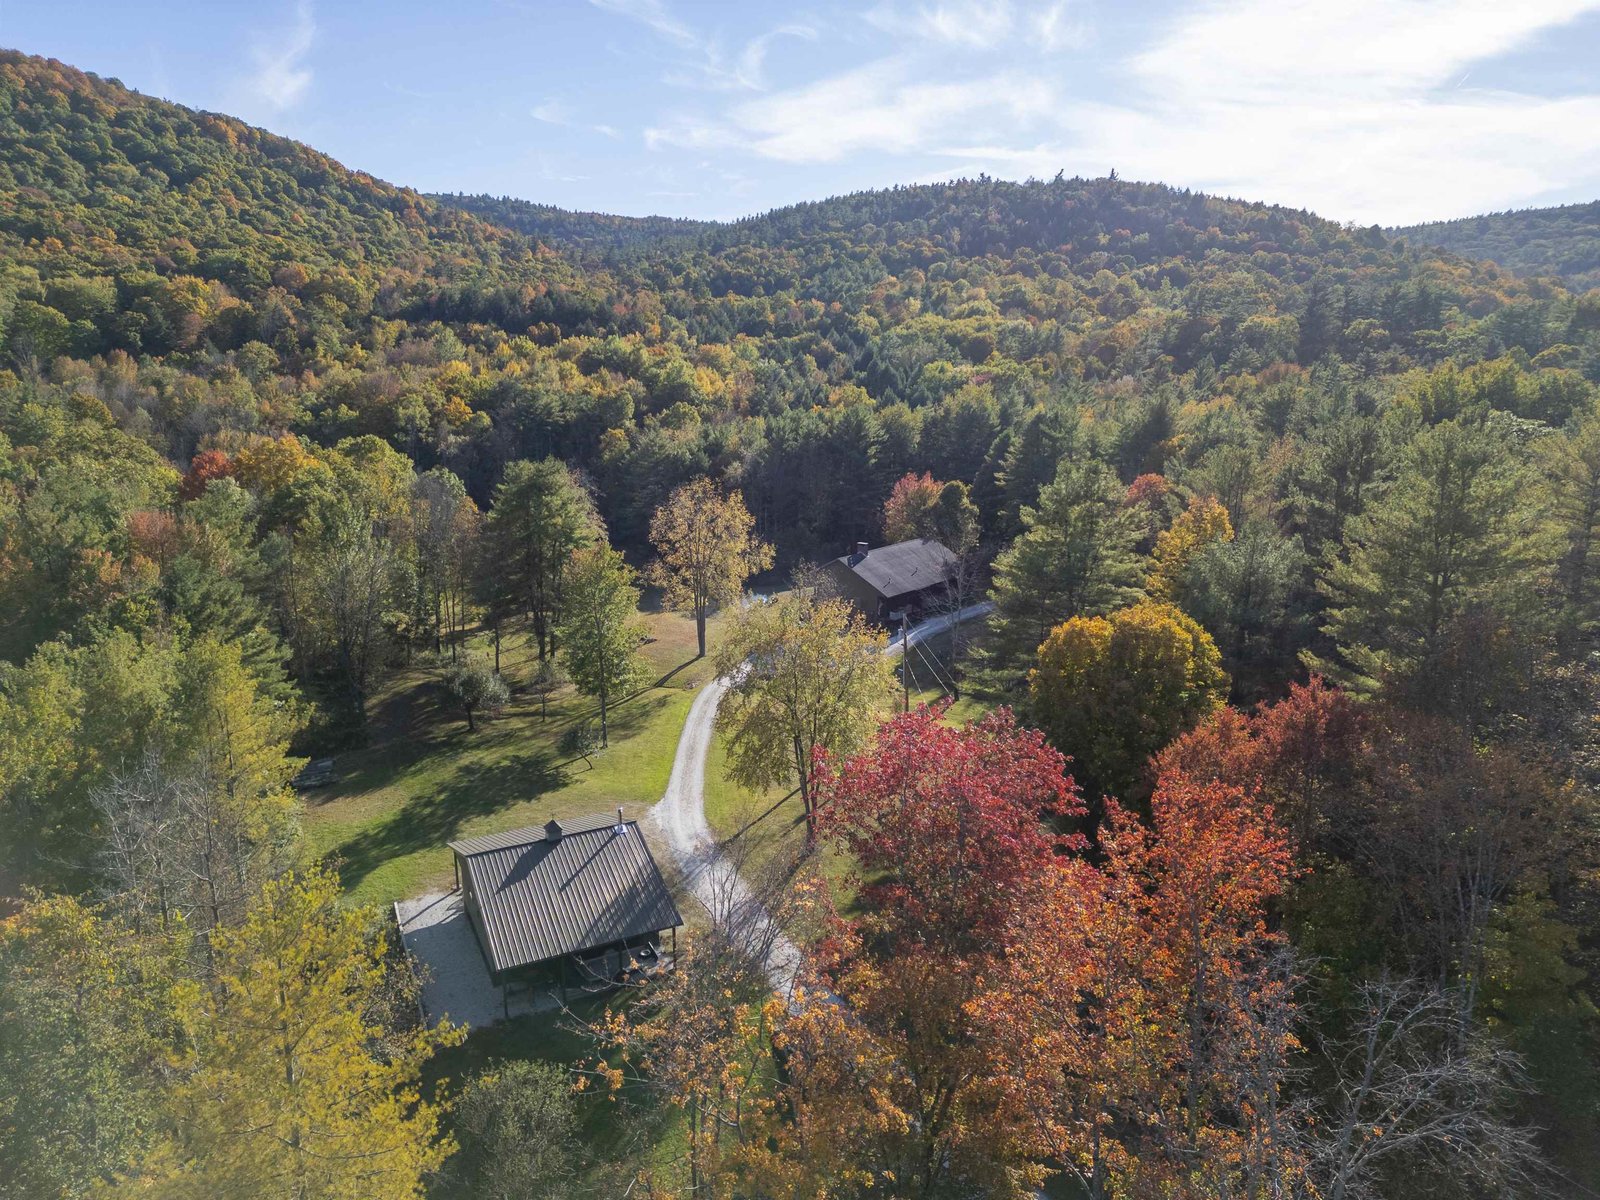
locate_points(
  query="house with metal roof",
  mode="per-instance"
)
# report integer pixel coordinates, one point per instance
(572, 902)
(905, 577)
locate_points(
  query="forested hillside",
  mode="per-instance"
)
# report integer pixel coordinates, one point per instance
(1562, 242)
(587, 232)
(1292, 532)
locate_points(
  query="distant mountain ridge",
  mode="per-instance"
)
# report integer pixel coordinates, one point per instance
(570, 229)
(1562, 241)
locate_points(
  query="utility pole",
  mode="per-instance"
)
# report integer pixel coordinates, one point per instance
(905, 661)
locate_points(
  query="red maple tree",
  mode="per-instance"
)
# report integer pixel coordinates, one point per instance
(949, 824)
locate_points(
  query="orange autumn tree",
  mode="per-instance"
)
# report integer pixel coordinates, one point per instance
(908, 512)
(1403, 817)
(892, 1063)
(1307, 754)
(1146, 1021)
(203, 468)
(1006, 1006)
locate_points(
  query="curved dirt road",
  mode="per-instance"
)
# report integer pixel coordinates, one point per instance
(680, 818)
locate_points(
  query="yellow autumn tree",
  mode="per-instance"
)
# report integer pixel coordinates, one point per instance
(707, 547)
(305, 1087)
(1203, 522)
(1111, 691)
(267, 465)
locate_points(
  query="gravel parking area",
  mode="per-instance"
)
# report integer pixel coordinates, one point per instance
(456, 983)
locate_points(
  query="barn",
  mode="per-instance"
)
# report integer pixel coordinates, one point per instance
(906, 577)
(570, 903)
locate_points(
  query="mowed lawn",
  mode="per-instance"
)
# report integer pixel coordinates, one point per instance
(425, 780)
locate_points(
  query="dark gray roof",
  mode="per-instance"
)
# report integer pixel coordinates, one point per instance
(903, 567)
(541, 897)
(529, 834)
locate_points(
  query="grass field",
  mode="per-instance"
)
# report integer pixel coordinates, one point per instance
(425, 779)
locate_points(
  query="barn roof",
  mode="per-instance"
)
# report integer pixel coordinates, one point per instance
(563, 889)
(903, 567)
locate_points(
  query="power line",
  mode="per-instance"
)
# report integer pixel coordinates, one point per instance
(937, 677)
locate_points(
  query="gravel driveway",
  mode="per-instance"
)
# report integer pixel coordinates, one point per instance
(680, 817)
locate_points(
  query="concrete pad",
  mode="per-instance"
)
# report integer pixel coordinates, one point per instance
(455, 980)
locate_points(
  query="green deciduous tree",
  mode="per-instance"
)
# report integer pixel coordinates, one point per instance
(99, 741)
(803, 674)
(600, 629)
(518, 1127)
(445, 528)
(476, 689)
(303, 1088)
(94, 1021)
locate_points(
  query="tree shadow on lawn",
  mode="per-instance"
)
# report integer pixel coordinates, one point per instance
(475, 789)
(429, 822)
(666, 679)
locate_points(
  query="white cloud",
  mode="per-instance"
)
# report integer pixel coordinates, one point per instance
(1358, 110)
(884, 108)
(1345, 108)
(556, 111)
(975, 24)
(280, 77)
(1060, 26)
(552, 112)
(703, 64)
(1277, 50)
(714, 70)
(653, 13)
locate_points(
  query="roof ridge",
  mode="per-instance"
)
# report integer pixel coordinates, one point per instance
(531, 835)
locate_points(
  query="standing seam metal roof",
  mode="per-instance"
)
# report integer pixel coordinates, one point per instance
(540, 899)
(903, 567)
(529, 834)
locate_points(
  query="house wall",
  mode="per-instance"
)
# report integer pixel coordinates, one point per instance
(469, 902)
(855, 589)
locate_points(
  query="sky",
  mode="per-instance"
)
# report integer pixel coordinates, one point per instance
(1370, 111)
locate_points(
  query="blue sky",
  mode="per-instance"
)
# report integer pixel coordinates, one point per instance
(1364, 110)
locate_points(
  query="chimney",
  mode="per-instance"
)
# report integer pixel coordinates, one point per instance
(620, 821)
(861, 549)
(552, 830)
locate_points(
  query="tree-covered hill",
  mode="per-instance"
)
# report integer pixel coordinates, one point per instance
(156, 228)
(588, 232)
(1562, 241)
(1187, 270)
(210, 283)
